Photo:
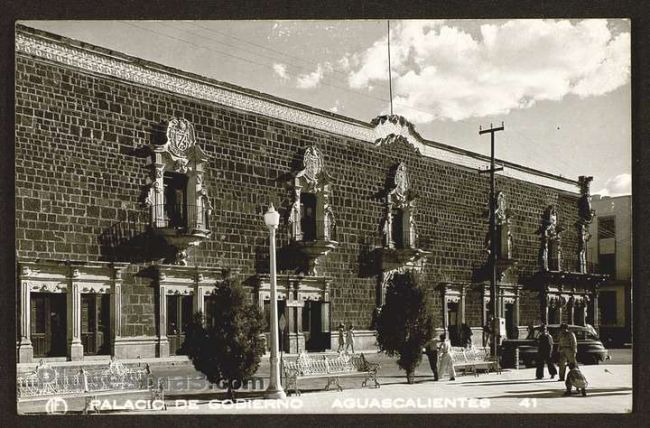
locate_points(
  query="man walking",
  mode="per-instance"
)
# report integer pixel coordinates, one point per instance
(431, 351)
(568, 346)
(544, 352)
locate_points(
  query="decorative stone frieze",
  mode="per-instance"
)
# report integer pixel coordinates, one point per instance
(210, 90)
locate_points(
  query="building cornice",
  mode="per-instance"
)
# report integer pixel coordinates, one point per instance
(101, 61)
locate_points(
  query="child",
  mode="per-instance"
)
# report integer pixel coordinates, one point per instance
(341, 337)
(349, 342)
(577, 379)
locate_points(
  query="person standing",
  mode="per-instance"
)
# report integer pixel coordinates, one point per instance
(487, 332)
(445, 362)
(466, 333)
(431, 351)
(568, 347)
(544, 352)
(341, 332)
(531, 332)
(349, 342)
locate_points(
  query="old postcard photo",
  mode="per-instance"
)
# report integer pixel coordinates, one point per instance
(323, 217)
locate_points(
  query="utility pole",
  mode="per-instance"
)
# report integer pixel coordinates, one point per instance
(390, 78)
(493, 241)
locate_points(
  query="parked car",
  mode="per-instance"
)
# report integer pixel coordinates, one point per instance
(590, 349)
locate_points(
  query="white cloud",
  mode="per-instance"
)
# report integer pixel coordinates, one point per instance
(337, 107)
(616, 186)
(313, 79)
(443, 72)
(344, 63)
(281, 70)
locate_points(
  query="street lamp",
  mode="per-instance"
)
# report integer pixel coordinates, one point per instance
(272, 219)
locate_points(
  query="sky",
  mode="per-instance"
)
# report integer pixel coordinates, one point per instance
(561, 87)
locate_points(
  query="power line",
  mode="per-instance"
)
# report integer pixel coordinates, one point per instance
(310, 63)
(263, 64)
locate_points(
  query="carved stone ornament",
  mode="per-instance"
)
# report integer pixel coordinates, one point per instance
(501, 212)
(313, 164)
(181, 166)
(180, 136)
(585, 212)
(549, 228)
(402, 183)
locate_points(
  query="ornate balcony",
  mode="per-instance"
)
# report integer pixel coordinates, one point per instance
(165, 232)
(395, 258)
(312, 251)
(181, 226)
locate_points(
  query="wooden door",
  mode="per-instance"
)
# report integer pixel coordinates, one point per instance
(49, 324)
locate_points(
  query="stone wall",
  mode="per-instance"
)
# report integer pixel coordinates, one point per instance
(78, 172)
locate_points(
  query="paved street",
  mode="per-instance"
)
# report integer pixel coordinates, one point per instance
(514, 391)
(389, 373)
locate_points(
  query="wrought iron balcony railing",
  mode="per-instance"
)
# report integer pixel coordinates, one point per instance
(179, 216)
(186, 218)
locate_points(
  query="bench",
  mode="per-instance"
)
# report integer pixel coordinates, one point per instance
(89, 382)
(473, 359)
(308, 367)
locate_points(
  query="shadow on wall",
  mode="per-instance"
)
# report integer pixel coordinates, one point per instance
(131, 240)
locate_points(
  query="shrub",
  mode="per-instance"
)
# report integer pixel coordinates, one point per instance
(230, 348)
(405, 322)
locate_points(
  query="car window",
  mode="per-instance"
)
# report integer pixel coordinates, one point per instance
(584, 334)
(581, 334)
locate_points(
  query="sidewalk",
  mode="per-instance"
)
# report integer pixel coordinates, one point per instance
(515, 391)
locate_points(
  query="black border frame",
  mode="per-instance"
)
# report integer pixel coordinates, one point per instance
(639, 14)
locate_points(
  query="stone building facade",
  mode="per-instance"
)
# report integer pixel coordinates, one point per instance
(139, 187)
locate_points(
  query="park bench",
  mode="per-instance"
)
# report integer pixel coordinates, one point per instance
(313, 367)
(89, 382)
(473, 359)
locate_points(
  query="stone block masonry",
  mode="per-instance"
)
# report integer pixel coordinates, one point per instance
(78, 172)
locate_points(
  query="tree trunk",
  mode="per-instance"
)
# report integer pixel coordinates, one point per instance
(231, 392)
(410, 376)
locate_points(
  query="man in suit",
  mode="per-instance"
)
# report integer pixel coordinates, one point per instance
(544, 351)
(431, 351)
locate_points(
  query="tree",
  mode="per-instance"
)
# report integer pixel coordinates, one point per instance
(230, 348)
(405, 323)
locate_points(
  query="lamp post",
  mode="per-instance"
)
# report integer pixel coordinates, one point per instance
(272, 219)
(282, 324)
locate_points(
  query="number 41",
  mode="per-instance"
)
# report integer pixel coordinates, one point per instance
(528, 402)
